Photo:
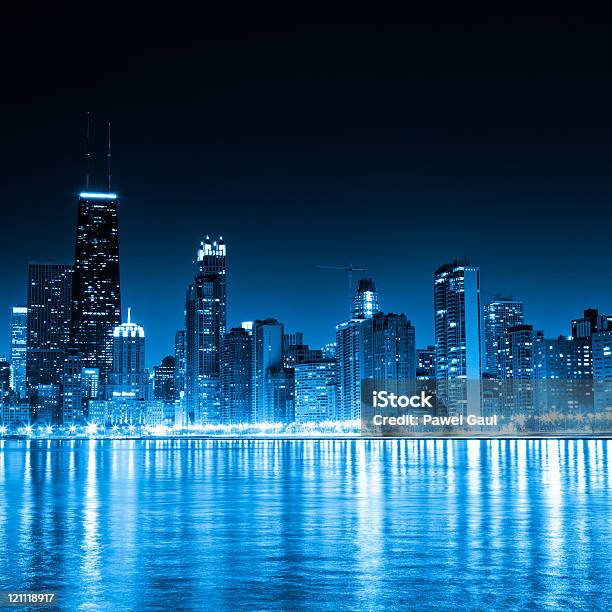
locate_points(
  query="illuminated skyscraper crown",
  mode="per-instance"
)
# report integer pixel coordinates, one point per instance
(129, 329)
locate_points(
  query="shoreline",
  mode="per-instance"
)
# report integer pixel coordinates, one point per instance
(317, 438)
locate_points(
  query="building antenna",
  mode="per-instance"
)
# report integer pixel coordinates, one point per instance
(108, 157)
(87, 150)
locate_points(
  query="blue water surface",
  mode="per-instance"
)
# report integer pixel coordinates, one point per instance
(296, 525)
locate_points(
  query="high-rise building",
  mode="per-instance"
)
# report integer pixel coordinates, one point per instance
(164, 379)
(426, 363)
(457, 333)
(236, 376)
(315, 391)
(279, 395)
(502, 313)
(96, 296)
(564, 371)
(388, 348)
(73, 397)
(48, 330)
(591, 323)
(179, 359)
(19, 340)
(350, 370)
(517, 365)
(205, 325)
(295, 354)
(128, 377)
(517, 353)
(267, 363)
(5, 379)
(602, 370)
(365, 300)
(329, 350)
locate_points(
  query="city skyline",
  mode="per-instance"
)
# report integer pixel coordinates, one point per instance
(314, 336)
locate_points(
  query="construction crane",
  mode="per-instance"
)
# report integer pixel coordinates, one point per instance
(350, 269)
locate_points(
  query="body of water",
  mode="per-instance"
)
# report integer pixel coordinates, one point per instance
(352, 525)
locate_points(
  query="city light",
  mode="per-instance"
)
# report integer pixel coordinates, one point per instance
(89, 195)
(92, 429)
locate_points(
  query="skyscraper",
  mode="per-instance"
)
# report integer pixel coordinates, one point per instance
(426, 363)
(388, 345)
(5, 378)
(365, 300)
(48, 329)
(96, 296)
(205, 325)
(602, 370)
(19, 339)
(591, 323)
(315, 391)
(128, 377)
(349, 356)
(179, 360)
(457, 334)
(236, 376)
(164, 379)
(73, 393)
(502, 313)
(267, 363)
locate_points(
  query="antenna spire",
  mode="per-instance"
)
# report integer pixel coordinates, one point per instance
(87, 150)
(108, 157)
(129, 315)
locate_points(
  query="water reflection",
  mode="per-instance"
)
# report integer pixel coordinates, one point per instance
(288, 524)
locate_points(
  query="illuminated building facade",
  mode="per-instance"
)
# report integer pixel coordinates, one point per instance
(129, 377)
(502, 313)
(365, 300)
(96, 297)
(457, 335)
(205, 325)
(236, 376)
(19, 340)
(315, 391)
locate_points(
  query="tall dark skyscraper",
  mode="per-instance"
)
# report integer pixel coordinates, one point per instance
(205, 325)
(48, 328)
(96, 297)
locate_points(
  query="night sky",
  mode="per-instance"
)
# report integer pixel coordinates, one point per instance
(394, 142)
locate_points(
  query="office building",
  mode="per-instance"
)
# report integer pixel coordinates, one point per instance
(205, 325)
(19, 340)
(236, 376)
(48, 331)
(267, 364)
(457, 334)
(315, 391)
(502, 313)
(96, 294)
(365, 300)
(128, 377)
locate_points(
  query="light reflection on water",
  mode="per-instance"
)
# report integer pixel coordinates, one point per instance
(316, 524)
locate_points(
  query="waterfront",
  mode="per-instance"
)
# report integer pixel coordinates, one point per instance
(289, 524)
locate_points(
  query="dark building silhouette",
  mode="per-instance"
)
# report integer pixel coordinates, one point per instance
(48, 330)
(96, 305)
(164, 379)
